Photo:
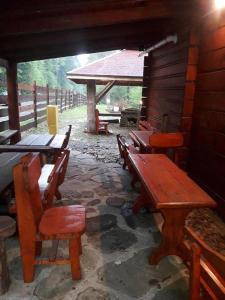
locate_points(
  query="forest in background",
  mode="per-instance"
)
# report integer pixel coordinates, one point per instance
(53, 72)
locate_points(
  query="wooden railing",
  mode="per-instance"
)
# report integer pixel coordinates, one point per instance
(33, 101)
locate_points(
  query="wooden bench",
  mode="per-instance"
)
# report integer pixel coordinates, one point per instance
(144, 125)
(101, 126)
(7, 135)
(169, 190)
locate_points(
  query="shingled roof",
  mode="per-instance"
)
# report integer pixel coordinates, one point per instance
(125, 67)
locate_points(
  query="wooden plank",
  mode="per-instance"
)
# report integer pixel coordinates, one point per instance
(166, 184)
(25, 87)
(26, 116)
(6, 135)
(57, 141)
(27, 126)
(7, 161)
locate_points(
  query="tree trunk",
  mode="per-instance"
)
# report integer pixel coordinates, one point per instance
(91, 92)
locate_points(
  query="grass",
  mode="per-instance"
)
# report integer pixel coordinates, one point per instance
(80, 112)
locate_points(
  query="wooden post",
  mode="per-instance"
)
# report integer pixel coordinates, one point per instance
(91, 92)
(65, 99)
(69, 98)
(47, 94)
(35, 102)
(13, 104)
(56, 96)
(61, 100)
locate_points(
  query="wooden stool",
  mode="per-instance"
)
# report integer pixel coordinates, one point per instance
(7, 228)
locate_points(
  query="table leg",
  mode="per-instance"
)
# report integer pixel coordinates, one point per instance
(141, 201)
(4, 273)
(172, 234)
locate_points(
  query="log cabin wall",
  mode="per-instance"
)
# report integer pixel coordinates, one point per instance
(207, 156)
(169, 84)
(168, 66)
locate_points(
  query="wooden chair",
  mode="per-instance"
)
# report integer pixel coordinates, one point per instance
(67, 138)
(207, 270)
(36, 225)
(124, 150)
(100, 125)
(164, 142)
(50, 188)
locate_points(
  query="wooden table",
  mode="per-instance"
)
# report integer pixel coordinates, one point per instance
(7, 135)
(7, 162)
(46, 143)
(142, 137)
(53, 141)
(169, 190)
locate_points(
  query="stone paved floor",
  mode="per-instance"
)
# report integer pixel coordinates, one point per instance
(115, 256)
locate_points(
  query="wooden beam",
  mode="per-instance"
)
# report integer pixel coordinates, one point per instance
(91, 91)
(13, 104)
(104, 91)
(73, 19)
(3, 63)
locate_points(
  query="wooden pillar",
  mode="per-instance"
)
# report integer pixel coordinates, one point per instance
(13, 104)
(91, 92)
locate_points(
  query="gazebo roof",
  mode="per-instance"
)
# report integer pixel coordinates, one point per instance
(124, 67)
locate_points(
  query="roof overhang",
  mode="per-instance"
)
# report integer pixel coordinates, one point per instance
(102, 80)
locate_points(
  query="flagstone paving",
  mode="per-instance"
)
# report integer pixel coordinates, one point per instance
(115, 256)
(116, 244)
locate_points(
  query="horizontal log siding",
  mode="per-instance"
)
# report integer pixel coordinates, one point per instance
(167, 77)
(207, 157)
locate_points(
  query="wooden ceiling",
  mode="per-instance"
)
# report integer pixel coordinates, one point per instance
(37, 29)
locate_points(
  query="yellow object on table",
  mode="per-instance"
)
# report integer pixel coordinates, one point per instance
(53, 119)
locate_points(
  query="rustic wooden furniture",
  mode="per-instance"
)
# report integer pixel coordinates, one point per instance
(67, 138)
(7, 228)
(52, 176)
(144, 125)
(101, 126)
(207, 280)
(7, 161)
(142, 139)
(124, 150)
(165, 142)
(7, 135)
(168, 189)
(36, 225)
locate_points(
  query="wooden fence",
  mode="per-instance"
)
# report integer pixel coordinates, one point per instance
(33, 101)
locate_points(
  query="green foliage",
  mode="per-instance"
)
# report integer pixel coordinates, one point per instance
(50, 71)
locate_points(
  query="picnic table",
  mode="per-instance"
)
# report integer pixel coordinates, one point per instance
(32, 143)
(142, 136)
(169, 190)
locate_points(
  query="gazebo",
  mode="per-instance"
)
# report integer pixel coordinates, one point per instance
(124, 68)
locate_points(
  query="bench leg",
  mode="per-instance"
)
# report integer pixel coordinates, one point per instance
(74, 250)
(141, 202)
(58, 194)
(4, 273)
(172, 234)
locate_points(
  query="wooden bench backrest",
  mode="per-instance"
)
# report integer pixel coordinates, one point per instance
(121, 145)
(164, 142)
(97, 120)
(28, 198)
(56, 177)
(67, 138)
(207, 270)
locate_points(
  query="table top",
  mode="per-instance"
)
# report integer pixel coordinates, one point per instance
(6, 135)
(9, 159)
(7, 162)
(53, 141)
(143, 137)
(167, 185)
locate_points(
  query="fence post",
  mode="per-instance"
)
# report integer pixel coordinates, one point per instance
(56, 96)
(47, 94)
(70, 99)
(65, 99)
(35, 103)
(61, 100)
